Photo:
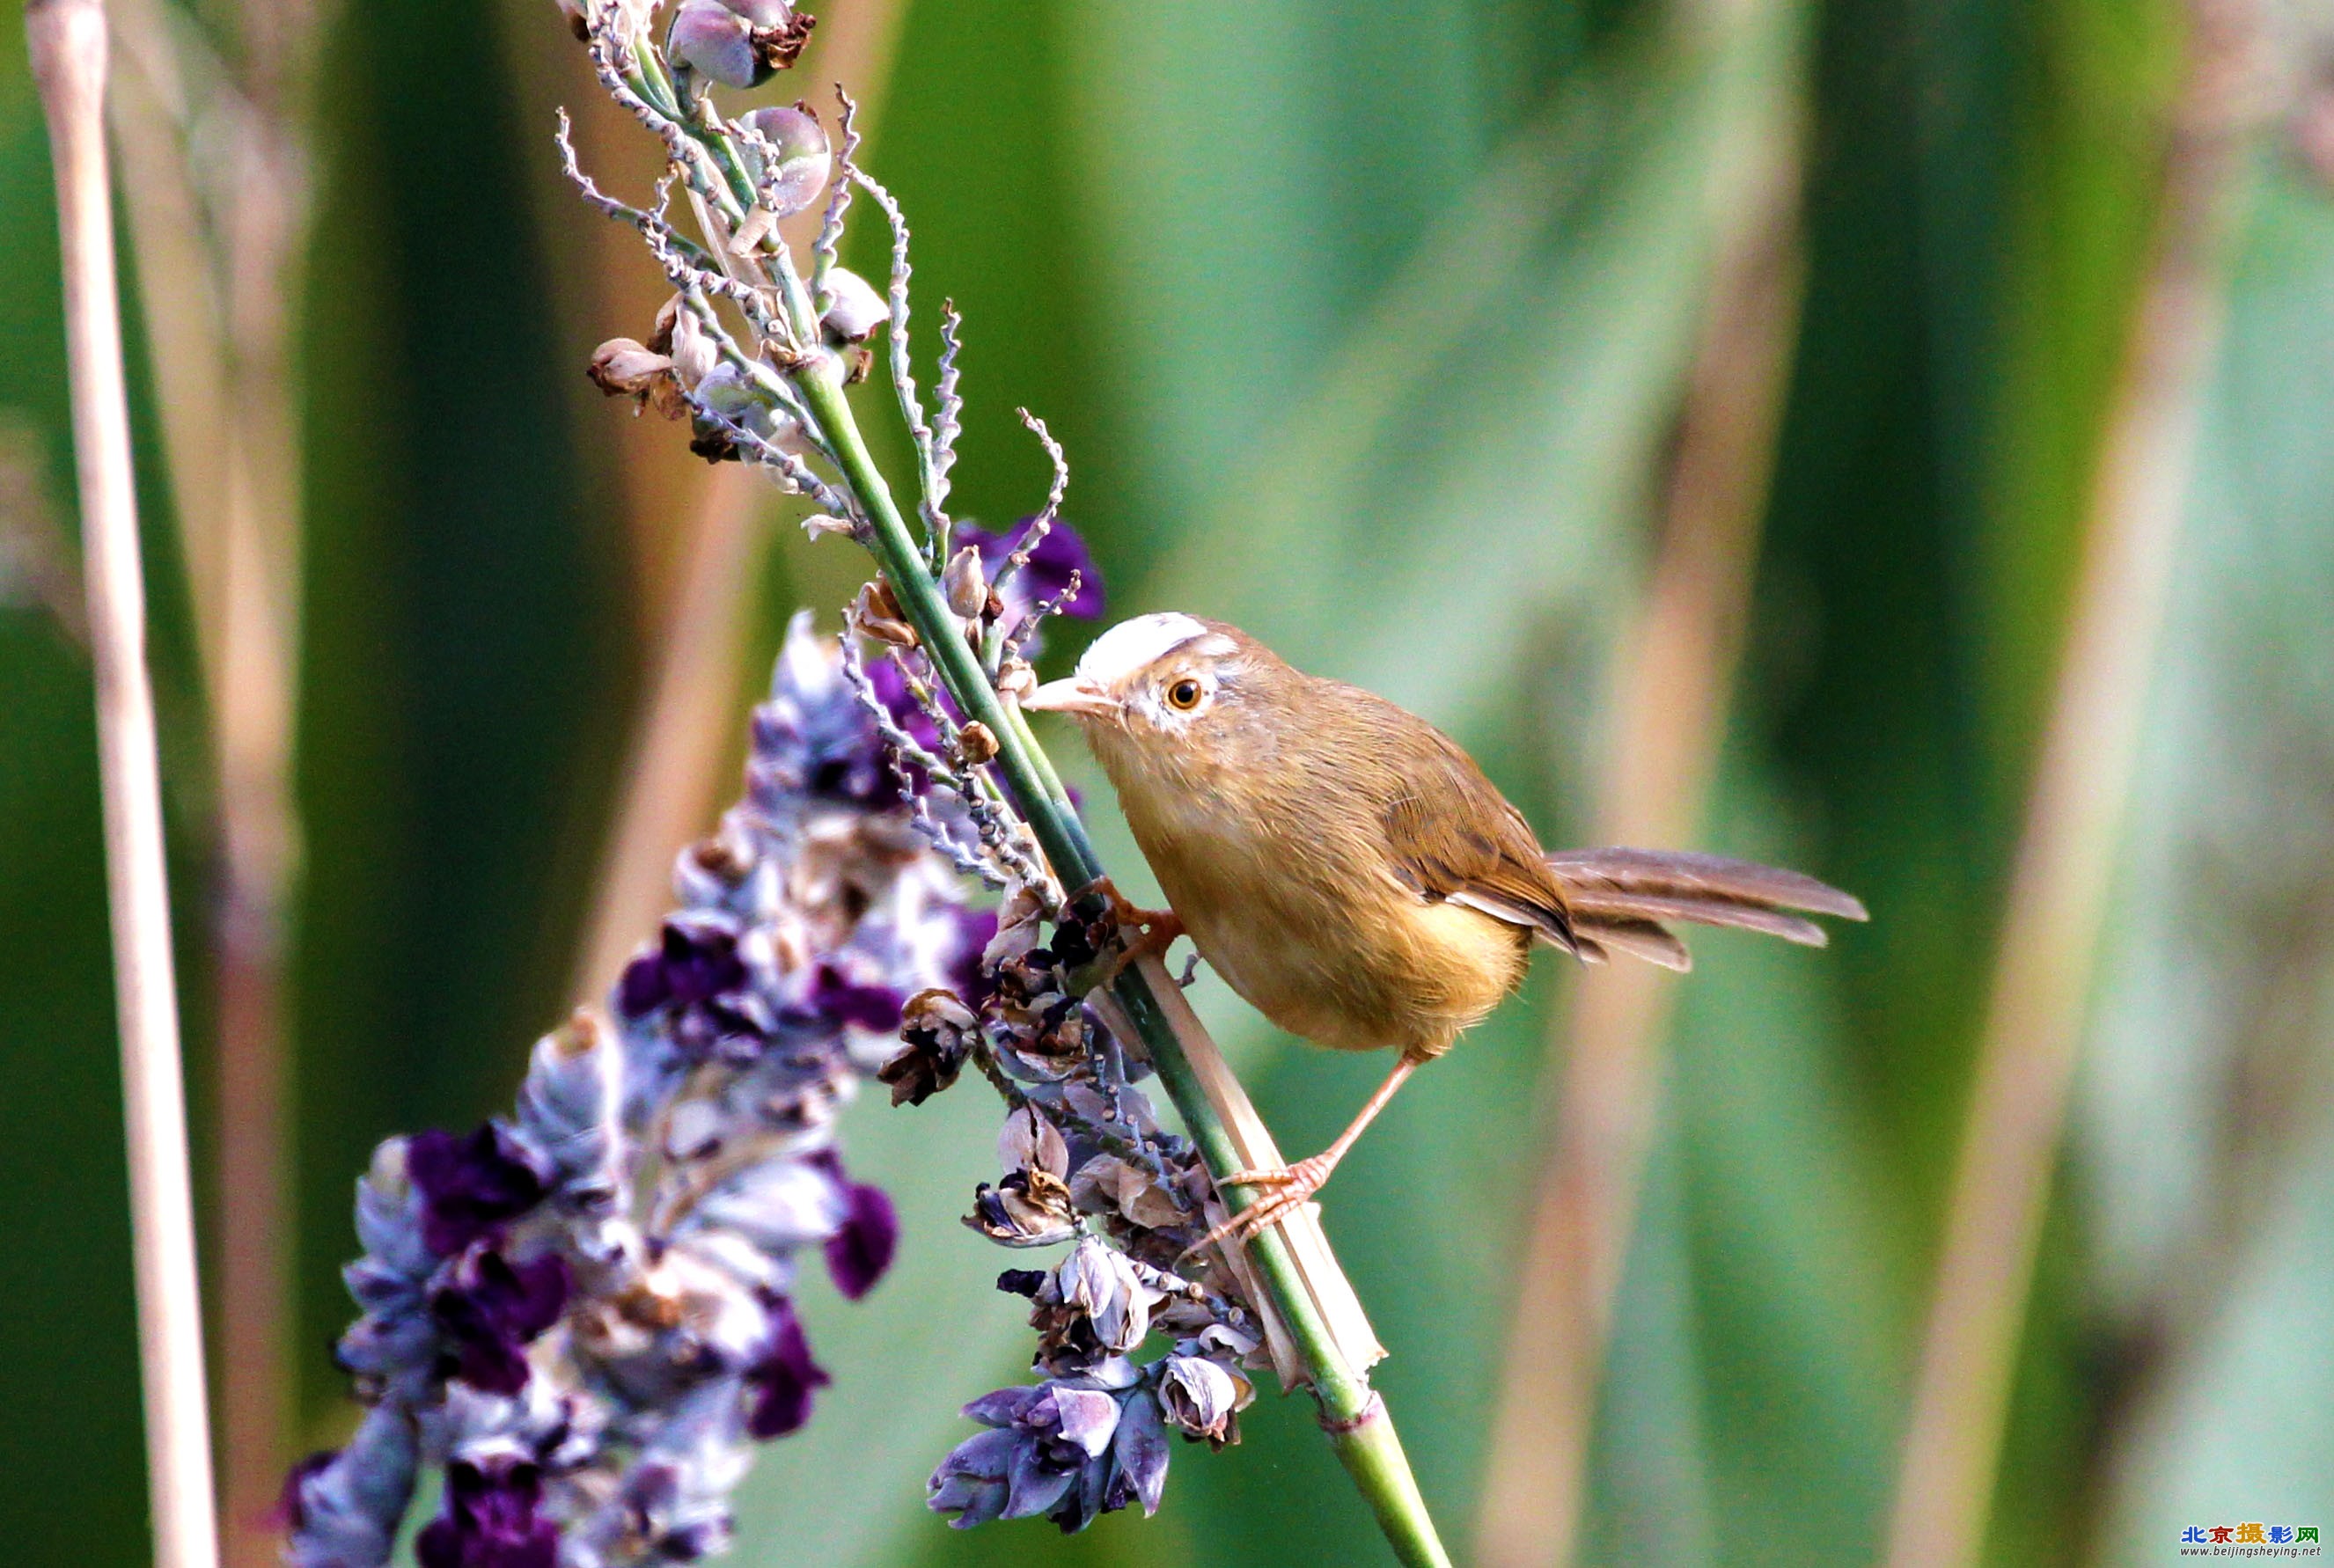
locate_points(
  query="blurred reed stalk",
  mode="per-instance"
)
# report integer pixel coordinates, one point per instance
(220, 215)
(1667, 716)
(67, 45)
(673, 773)
(2061, 878)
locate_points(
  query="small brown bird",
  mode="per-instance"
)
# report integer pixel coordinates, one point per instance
(1350, 871)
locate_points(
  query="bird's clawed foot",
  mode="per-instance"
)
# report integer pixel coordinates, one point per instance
(1284, 1192)
(1142, 933)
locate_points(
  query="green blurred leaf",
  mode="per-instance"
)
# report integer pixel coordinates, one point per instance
(2207, 1113)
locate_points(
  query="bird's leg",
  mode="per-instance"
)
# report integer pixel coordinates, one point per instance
(1295, 1185)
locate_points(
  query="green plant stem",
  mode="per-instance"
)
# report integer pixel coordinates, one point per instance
(1355, 1416)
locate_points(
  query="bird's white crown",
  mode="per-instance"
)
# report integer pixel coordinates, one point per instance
(1132, 644)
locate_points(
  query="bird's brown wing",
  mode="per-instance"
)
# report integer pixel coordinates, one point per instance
(1450, 836)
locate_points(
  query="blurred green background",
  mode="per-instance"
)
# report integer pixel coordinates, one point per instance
(1371, 329)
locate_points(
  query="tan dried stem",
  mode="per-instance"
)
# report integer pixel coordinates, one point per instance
(682, 741)
(68, 51)
(1668, 708)
(221, 234)
(2060, 882)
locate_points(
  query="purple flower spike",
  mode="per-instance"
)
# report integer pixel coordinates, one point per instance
(491, 1519)
(863, 1246)
(575, 1321)
(1056, 556)
(489, 1314)
(471, 1187)
(784, 1378)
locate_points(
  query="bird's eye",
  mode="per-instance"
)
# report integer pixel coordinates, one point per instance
(1184, 695)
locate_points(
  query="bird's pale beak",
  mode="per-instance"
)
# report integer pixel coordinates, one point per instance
(1077, 697)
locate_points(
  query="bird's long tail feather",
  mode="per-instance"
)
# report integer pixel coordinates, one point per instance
(1618, 898)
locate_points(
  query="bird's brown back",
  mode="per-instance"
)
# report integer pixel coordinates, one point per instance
(1312, 838)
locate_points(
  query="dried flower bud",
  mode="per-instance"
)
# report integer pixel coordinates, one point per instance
(694, 352)
(1026, 1209)
(877, 615)
(724, 857)
(855, 309)
(1109, 1184)
(624, 19)
(623, 368)
(799, 162)
(1098, 1303)
(976, 744)
(581, 1034)
(1028, 1141)
(936, 1031)
(1016, 679)
(1201, 1398)
(965, 583)
(819, 524)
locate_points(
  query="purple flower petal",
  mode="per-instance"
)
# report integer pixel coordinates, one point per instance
(970, 1482)
(783, 1377)
(1139, 1457)
(862, 1247)
(471, 1187)
(1004, 1407)
(697, 982)
(839, 999)
(491, 1519)
(491, 1311)
(695, 962)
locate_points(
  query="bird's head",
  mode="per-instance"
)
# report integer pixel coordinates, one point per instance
(1157, 677)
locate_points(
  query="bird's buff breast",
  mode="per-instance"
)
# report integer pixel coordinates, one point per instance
(1310, 931)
